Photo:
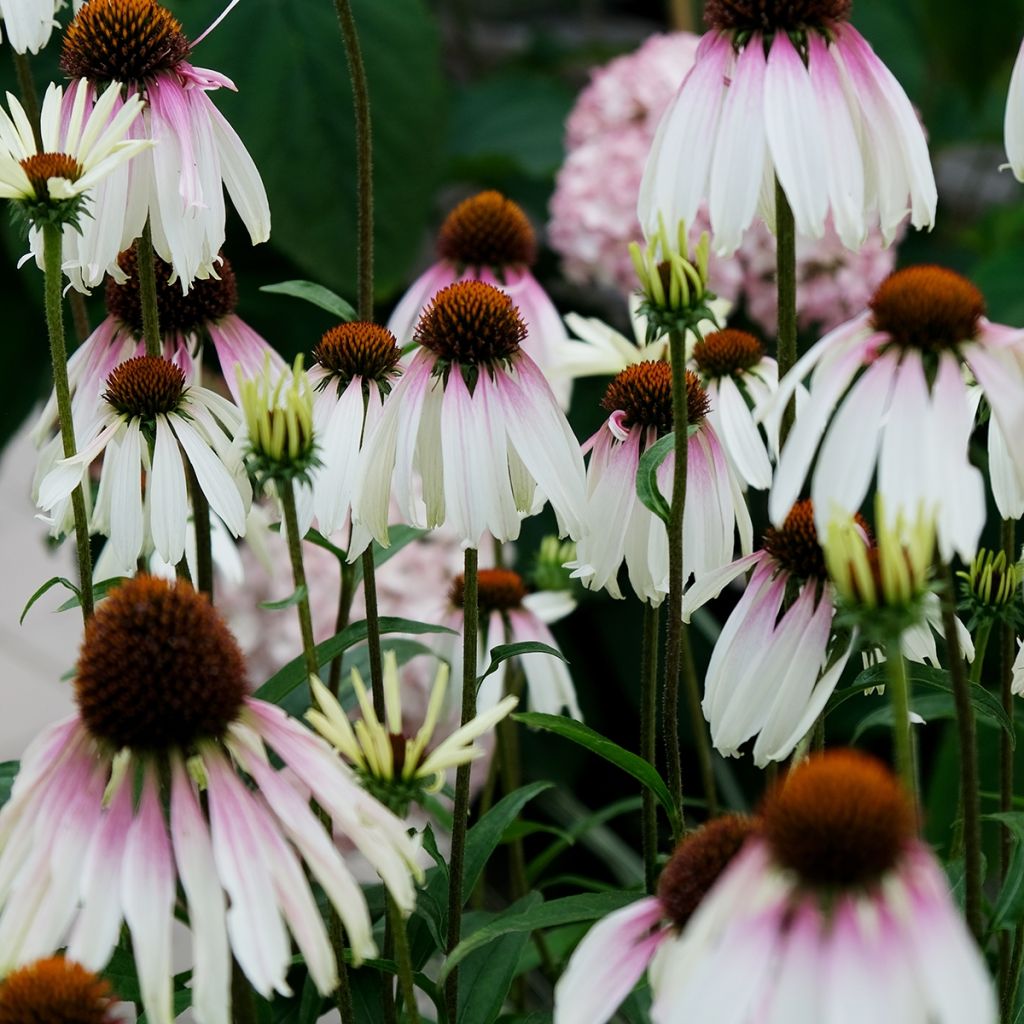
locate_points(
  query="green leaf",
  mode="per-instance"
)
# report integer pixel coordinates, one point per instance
(279, 685)
(647, 476)
(99, 591)
(1008, 911)
(503, 652)
(569, 910)
(593, 741)
(52, 582)
(522, 828)
(317, 539)
(487, 975)
(316, 294)
(290, 601)
(8, 773)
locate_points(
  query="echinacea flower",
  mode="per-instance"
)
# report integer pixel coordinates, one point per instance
(888, 389)
(153, 418)
(472, 435)
(29, 23)
(356, 365)
(621, 528)
(397, 768)
(179, 186)
(1013, 123)
(82, 144)
(777, 659)
(793, 92)
(509, 614)
(164, 776)
(834, 903)
(489, 238)
(617, 950)
(56, 991)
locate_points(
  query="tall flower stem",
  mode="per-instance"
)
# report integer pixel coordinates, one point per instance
(147, 293)
(648, 734)
(343, 993)
(204, 539)
(968, 761)
(785, 279)
(373, 631)
(52, 250)
(460, 814)
(346, 594)
(1007, 653)
(698, 726)
(403, 960)
(291, 526)
(676, 574)
(899, 696)
(364, 156)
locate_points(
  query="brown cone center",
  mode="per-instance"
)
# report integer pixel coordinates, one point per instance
(772, 15)
(358, 350)
(471, 323)
(498, 590)
(55, 991)
(487, 230)
(145, 386)
(727, 353)
(40, 167)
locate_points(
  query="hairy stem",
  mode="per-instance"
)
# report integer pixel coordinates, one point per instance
(899, 697)
(648, 738)
(698, 726)
(291, 526)
(373, 632)
(1007, 654)
(346, 594)
(52, 251)
(785, 279)
(403, 959)
(204, 540)
(147, 293)
(343, 993)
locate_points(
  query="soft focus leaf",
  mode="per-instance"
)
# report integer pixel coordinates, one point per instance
(8, 773)
(99, 591)
(598, 744)
(505, 651)
(317, 294)
(290, 601)
(647, 477)
(1008, 911)
(53, 581)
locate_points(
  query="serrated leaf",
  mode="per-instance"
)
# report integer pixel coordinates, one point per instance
(647, 476)
(279, 685)
(503, 652)
(290, 601)
(53, 581)
(593, 741)
(316, 294)
(569, 910)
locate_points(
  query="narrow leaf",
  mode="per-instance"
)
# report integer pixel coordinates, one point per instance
(8, 773)
(647, 476)
(505, 651)
(52, 582)
(99, 591)
(290, 601)
(317, 294)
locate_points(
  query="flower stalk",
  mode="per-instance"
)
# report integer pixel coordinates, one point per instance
(403, 960)
(1007, 654)
(899, 697)
(648, 741)
(291, 526)
(785, 278)
(52, 249)
(147, 293)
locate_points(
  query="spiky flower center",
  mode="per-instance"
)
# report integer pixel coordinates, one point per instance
(122, 41)
(727, 353)
(145, 386)
(498, 590)
(158, 668)
(698, 861)
(358, 350)
(487, 230)
(928, 308)
(841, 819)
(55, 991)
(795, 544)
(772, 15)
(207, 301)
(40, 167)
(471, 323)
(643, 392)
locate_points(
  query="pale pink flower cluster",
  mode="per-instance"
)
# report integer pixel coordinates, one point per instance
(593, 209)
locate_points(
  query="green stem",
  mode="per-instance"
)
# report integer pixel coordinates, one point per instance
(364, 156)
(1007, 654)
(204, 540)
(147, 293)
(243, 1009)
(898, 689)
(968, 761)
(291, 526)
(511, 777)
(460, 813)
(346, 594)
(403, 959)
(343, 993)
(699, 727)
(676, 574)
(373, 631)
(54, 279)
(785, 279)
(648, 738)
(389, 1009)
(1008, 991)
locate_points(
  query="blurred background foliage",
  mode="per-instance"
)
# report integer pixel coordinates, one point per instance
(471, 94)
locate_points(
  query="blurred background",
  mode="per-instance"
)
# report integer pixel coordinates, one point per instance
(472, 95)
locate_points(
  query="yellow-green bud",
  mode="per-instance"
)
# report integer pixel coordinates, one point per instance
(991, 583)
(549, 571)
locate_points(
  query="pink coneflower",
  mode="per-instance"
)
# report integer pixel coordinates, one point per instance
(180, 184)
(899, 365)
(833, 904)
(56, 991)
(489, 238)
(87, 840)
(619, 527)
(356, 366)
(776, 661)
(472, 435)
(789, 91)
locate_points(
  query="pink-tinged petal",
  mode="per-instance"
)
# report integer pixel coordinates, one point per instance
(797, 990)
(340, 432)
(608, 962)
(1013, 121)
(711, 584)
(1000, 373)
(168, 495)
(126, 517)
(733, 422)
(193, 853)
(148, 895)
(213, 476)
(403, 319)
(675, 176)
(258, 936)
(238, 346)
(794, 127)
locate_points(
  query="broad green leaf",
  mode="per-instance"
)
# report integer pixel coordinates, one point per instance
(8, 773)
(647, 477)
(503, 652)
(290, 601)
(279, 685)
(522, 828)
(1008, 911)
(625, 759)
(311, 1006)
(569, 910)
(316, 294)
(53, 581)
